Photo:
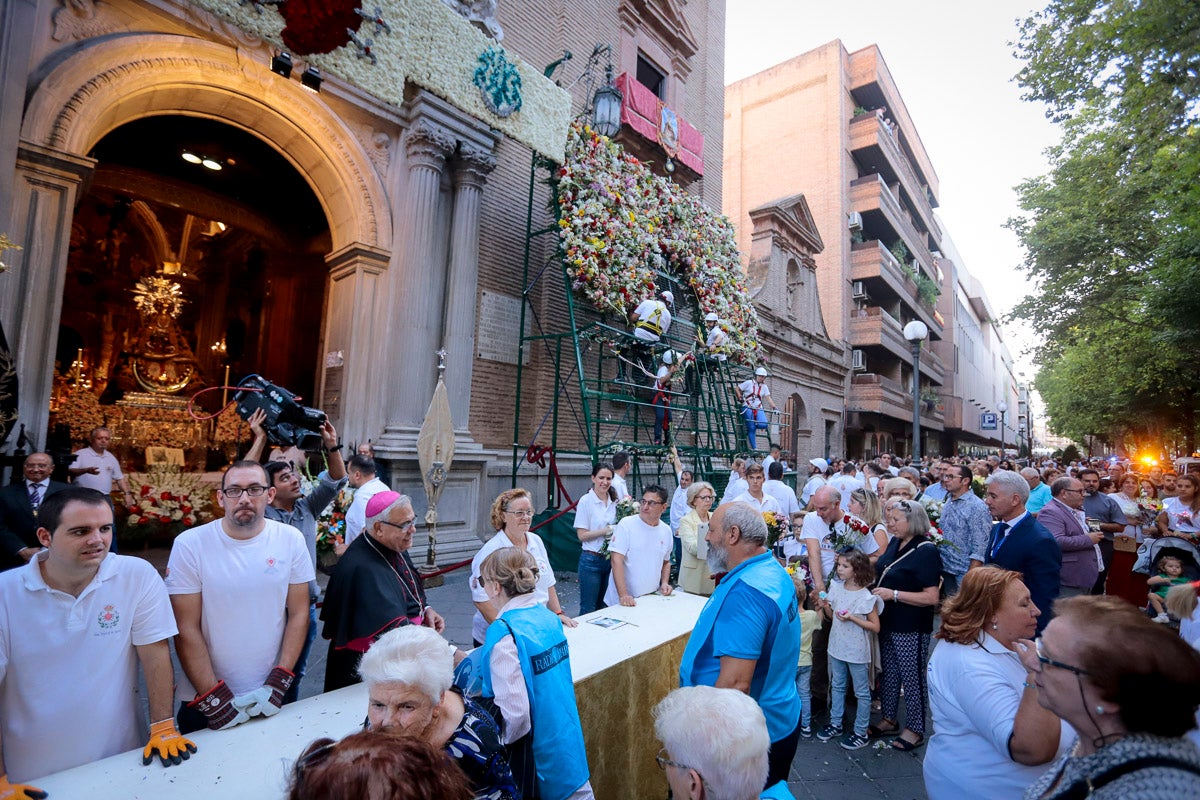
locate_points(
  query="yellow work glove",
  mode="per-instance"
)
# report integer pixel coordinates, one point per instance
(19, 791)
(167, 743)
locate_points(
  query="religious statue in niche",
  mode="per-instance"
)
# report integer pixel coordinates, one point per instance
(159, 357)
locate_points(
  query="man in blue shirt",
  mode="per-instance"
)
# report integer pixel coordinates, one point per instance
(748, 635)
(1039, 492)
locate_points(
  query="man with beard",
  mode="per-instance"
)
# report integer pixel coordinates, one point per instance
(374, 588)
(748, 635)
(239, 587)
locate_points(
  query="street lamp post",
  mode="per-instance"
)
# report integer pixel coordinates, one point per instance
(1002, 407)
(915, 332)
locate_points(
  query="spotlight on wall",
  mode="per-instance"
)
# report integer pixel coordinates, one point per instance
(311, 79)
(281, 64)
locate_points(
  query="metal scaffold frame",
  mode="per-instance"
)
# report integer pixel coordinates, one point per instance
(606, 415)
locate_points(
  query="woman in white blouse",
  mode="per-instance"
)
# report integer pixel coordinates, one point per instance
(595, 514)
(992, 738)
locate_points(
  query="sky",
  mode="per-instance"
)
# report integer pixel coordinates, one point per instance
(953, 64)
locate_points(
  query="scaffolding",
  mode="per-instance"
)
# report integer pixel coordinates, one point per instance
(603, 377)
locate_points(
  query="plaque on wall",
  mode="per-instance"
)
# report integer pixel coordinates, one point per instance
(496, 337)
(332, 399)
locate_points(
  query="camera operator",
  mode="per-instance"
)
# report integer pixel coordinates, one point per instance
(291, 507)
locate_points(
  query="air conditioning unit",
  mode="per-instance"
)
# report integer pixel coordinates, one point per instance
(857, 290)
(858, 361)
(855, 223)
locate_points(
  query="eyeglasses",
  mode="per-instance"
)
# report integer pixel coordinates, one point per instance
(1073, 491)
(706, 497)
(1044, 659)
(664, 762)
(403, 526)
(521, 514)
(651, 502)
(234, 492)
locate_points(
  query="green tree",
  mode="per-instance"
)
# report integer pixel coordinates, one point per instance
(1112, 232)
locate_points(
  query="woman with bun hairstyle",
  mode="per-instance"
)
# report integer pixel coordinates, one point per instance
(527, 669)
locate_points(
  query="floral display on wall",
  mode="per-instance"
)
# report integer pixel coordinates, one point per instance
(619, 223)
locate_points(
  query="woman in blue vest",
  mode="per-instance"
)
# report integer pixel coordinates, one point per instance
(527, 670)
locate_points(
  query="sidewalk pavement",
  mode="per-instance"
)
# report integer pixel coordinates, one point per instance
(820, 771)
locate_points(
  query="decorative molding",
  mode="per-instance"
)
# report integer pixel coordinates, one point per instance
(82, 19)
(792, 222)
(70, 119)
(473, 166)
(428, 145)
(481, 14)
(377, 144)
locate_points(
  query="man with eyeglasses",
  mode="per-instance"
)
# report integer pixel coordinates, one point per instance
(291, 507)
(240, 590)
(965, 523)
(1066, 520)
(19, 504)
(641, 552)
(374, 589)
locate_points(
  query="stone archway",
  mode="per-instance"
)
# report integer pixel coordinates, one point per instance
(112, 81)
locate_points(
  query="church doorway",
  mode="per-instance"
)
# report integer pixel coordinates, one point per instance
(197, 253)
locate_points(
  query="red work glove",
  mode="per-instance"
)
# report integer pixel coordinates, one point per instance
(217, 706)
(268, 699)
(19, 791)
(167, 743)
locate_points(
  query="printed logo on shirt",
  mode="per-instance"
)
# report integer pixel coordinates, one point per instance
(272, 566)
(108, 617)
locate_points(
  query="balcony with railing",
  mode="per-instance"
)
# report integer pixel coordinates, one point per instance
(873, 142)
(874, 327)
(871, 195)
(873, 393)
(877, 268)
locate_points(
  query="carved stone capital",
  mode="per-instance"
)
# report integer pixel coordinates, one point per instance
(428, 145)
(473, 167)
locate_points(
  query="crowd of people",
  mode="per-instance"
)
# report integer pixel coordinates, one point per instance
(990, 600)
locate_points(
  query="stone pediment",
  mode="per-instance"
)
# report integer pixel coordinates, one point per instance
(665, 18)
(791, 221)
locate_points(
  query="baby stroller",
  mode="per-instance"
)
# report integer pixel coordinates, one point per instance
(1152, 550)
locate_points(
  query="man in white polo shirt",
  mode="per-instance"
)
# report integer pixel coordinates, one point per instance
(96, 468)
(74, 624)
(239, 587)
(641, 552)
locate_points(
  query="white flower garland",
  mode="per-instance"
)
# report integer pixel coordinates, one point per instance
(435, 48)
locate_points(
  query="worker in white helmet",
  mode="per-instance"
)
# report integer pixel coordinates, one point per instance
(753, 393)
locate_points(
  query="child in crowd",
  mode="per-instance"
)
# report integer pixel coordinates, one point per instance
(809, 622)
(1182, 603)
(855, 613)
(1170, 573)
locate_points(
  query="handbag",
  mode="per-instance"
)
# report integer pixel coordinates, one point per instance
(1125, 544)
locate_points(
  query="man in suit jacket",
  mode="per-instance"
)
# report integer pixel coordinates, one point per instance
(18, 514)
(1020, 543)
(1063, 516)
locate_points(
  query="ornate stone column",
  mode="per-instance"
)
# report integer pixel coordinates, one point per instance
(31, 293)
(470, 174)
(415, 326)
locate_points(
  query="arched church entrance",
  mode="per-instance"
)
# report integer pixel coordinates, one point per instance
(295, 221)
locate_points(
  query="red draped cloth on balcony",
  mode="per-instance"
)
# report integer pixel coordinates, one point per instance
(640, 111)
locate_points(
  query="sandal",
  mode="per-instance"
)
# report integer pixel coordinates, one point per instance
(876, 732)
(905, 746)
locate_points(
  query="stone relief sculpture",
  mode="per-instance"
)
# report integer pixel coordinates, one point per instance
(481, 14)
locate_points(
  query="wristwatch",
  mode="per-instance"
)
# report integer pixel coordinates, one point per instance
(895, 595)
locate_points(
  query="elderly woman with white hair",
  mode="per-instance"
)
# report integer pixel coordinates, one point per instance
(715, 745)
(694, 576)
(408, 674)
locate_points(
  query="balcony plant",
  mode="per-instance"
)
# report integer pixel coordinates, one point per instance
(927, 290)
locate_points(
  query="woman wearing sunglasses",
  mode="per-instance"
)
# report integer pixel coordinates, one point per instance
(512, 513)
(1130, 689)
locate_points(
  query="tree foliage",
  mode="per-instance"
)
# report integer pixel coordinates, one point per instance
(1112, 232)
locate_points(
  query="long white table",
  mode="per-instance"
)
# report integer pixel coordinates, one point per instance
(254, 760)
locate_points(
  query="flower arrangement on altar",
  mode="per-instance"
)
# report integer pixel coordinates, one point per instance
(168, 501)
(618, 223)
(933, 508)
(81, 413)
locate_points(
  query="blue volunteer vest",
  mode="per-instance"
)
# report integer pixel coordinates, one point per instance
(558, 750)
(776, 696)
